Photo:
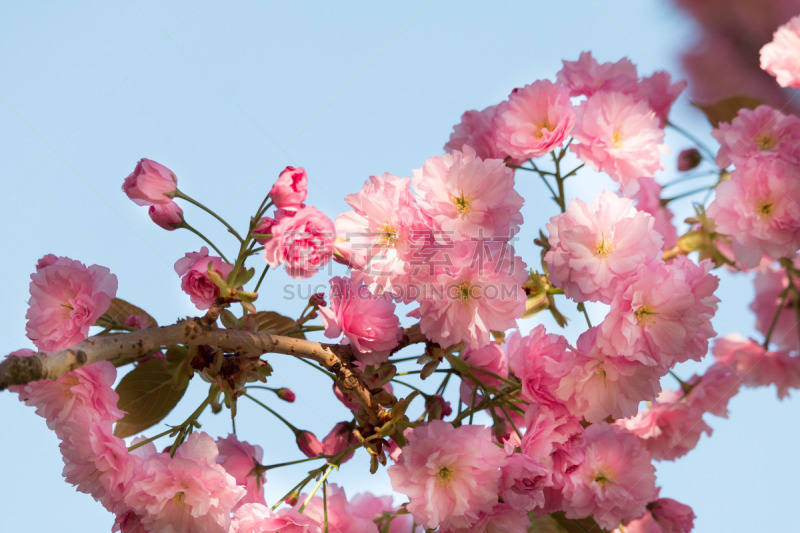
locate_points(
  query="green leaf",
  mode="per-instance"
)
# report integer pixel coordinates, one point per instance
(272, 322)
(146, 394)
(726, 109)
(118, 311)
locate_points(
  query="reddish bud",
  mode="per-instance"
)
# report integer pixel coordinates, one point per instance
(688, 159)
(317, 300)
(309, 444)
(285, 394)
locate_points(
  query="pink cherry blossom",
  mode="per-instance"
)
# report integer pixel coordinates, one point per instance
(369, 322)
(303, 242)
(150, 183)
(467, 196)
(338, 439)
(450, 475)
(757, 367)
(619, 135)
(759, 207)
(257, 518)
(291, 189)
(377, 238)
(664, 315)
(769, 284)
(663, 515)
(660, 93)
(669, 428)
(596, 249)
(193, 269)
(66, 299)
(264, 227)
(240, 460)
(485, 361)
(535, 120)
(648, 200)
(309, 444)
(370, 507)
(586, 76)
(539, 360)
(523, 482)
(168, 216)
(187, 493)
(476, 130)
(342, 517)
(601, 384)
(761, 133)
(781, 56)
(615, 481)
(479, 291)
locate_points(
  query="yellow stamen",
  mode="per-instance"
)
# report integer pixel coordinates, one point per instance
(604, 476)
(604, 247)
(765, 209)
(540, 127)
(765, 142)
(616, 139)
(462, 203)
(645, 315)
(444, 476)
(387, 234)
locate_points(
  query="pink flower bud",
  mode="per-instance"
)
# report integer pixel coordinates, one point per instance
(150, 183)
(317, 300)
(264, 227)
(291, 189)
(193, 269)
(168, 216)
(688, 159)
(309, 444)
(339, 439)
(285, 394)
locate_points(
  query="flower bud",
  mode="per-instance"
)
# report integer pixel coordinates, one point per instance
(150, 183)
(285, 394)
(309, 444)
(168, 216)
(689, 159)
(264, 227)
(291, 189)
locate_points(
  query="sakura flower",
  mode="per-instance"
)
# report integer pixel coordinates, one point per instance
(66, 299)
(615, 481)
(370, 507)
(303, 242)
(586, 76)
(339, 439)
(669, 428)
(467, 196)
(539, 360)
(600, 384)
(340, 513)
(187, 493)
(450, 475)
(241, 460)
(664, 315)
(663, 515)
(761, 133)
(486, 363)
(258, 518)
(618, 135)
(291, 189)
(660, 93)
(522, 483)
(769, 285)
(150, 183)
(712, 391)
(759, 207)
(193, 269)
(480, 291)
(368, 322)
(781, 56)
(648, 200)
(757, 367)
(376, 239)
(535, 120)
(596, 249)
(476, 131)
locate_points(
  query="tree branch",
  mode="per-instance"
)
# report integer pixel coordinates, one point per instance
(336, 358)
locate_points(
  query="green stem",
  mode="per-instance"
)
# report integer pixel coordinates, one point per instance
(279, 417)
(781, 304)
(266, 269)
(316, 487)
(151, 439)
(181, 195)
(186, 225)
(189, 422)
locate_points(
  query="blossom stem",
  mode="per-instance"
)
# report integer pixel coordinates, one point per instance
(181, 195)
(266, 269)
(278, 416)
(186, 225)
(151, 439)
(781, 304)
(317, 486)
(187, 425)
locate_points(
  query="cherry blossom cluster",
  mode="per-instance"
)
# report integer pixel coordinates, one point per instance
(560, 435)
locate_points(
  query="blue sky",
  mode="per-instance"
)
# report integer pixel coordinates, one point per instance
(226, 98)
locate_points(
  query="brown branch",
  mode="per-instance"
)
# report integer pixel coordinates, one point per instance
(336, 358)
